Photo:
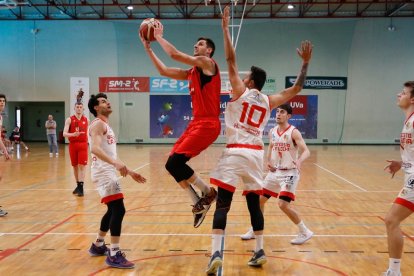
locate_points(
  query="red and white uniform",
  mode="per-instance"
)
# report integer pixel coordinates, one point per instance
(204, 129)
(284, 153)
(103, 174)
(406, 195)
(242, 159)
(78, 146)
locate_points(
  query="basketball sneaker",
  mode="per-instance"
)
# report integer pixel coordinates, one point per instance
(204, 203)
(80, 190)
(75, 192)
(3, 213)
(390, 272)
(119, 261)
(258, 258)
(249, 235)
(50, 154)
(301, 238)
(199, 218)
(216, 261)
(95, 251)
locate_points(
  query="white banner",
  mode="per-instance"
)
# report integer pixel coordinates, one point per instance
(79, 92)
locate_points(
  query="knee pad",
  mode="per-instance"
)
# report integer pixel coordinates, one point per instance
(177, 167)
(223, 204)
(118, 212)
(256, 215)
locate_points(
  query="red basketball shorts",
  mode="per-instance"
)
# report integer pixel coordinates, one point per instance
(78, 153)
(197, 137)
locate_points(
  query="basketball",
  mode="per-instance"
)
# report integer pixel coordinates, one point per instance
(146, 30)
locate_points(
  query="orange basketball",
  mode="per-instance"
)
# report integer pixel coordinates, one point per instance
(146, 29)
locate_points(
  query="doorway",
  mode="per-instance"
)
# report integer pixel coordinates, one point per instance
(31, 118)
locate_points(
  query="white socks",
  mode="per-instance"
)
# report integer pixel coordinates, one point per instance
(259, 242)
(199, 183)
(217, 242)
(192, 193)
(394, 265)
(114, 248)
(302, 227)
(99, 241)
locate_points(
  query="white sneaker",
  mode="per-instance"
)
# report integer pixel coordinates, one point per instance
(249, 235)
(389, 272)
(57, 154)
(50, 154)
(301, 238)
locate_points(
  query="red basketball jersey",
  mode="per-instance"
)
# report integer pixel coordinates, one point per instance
(205, 99)
(78, 125)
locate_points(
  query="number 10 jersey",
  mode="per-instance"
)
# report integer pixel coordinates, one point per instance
(246, 118)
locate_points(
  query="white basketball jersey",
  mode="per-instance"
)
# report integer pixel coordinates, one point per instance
(406, 145)
(246, 118)
(284, 150)
(101, 169)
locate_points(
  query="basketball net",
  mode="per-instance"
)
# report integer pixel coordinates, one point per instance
(233, 26)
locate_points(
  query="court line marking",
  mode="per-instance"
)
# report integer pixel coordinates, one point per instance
(10, 251)
(338, 272)
(182, 234)
(340, 177)
(179, 191)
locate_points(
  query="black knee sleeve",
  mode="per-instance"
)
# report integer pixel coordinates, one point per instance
(177, 167)
(223, 204)
(106, 219)
(256, 215)
(118, 211)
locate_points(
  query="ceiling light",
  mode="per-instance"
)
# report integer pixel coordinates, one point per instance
(130, 7)
(291, 7)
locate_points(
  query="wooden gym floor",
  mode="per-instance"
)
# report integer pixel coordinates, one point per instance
(343, 197)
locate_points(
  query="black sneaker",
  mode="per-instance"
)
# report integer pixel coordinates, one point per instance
(98, 250)
(80, 190)
(215, 263)
(75, 192)
(258, 258)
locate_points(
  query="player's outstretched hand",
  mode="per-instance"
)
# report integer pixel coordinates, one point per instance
(393, 167)
(146, 43)
(158, 29)
(137, 177)
(225, 18)
(305, 51)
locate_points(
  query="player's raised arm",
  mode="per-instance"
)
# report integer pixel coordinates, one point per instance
(305, 53)
(171, 72)
(236, 82)
(200, 60)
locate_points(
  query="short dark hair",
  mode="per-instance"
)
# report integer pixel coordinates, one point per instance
(4, 97)
(286, 107)
(410, 84)
(93, 101)
(210, 44)
(258, 75)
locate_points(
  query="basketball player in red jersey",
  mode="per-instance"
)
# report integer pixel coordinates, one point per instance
(76, 128)
(203, 130)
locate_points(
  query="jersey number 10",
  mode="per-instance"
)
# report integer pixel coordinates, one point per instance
(251, 110)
